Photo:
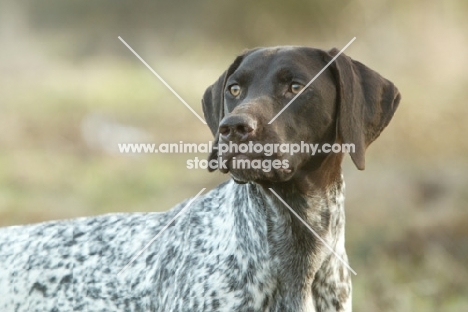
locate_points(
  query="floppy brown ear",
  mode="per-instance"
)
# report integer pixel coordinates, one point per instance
(213, 99)
(213, 103)
(367, 102)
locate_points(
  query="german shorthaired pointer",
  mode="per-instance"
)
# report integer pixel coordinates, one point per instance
(236, 248)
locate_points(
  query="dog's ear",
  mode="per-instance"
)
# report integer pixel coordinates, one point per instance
(213, 99)
(367, 102)
(213, 103)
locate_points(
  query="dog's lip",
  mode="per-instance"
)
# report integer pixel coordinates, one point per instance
(241, 156)
(244, 156)
(281, 175)
(238, 156)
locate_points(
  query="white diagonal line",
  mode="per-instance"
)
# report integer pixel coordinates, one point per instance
(310, 82)
(160, 232)
(313, 232)
(162, 80)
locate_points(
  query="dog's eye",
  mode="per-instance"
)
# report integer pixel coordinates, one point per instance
(296, 88)
(235, 90)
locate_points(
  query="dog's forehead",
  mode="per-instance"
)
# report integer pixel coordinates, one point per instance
(282, 56)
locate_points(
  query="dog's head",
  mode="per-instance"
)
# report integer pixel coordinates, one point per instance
(347, 103)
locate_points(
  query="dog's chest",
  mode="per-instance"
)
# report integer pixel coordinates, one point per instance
(226, 258)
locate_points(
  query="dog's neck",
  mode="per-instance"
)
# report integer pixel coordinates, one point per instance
(303, 263)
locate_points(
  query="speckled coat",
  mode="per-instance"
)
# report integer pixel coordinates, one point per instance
(235, 249)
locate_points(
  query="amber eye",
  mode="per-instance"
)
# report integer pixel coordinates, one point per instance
(296, 88)
(235, 90)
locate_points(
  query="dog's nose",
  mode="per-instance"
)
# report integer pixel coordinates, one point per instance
(237, 128)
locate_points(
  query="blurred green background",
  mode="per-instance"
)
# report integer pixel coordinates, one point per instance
(70, 91)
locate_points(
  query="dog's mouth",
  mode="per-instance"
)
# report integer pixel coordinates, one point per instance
(254, 167)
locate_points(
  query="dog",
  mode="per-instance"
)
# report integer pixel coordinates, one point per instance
(238, 247)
